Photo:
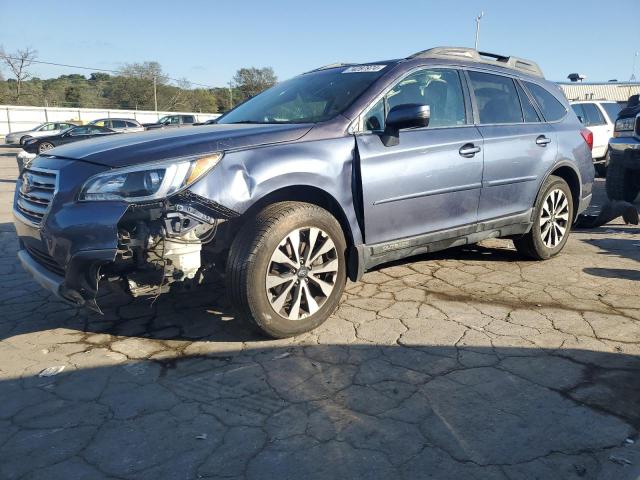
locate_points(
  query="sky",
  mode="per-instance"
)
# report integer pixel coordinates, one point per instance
(207, 41)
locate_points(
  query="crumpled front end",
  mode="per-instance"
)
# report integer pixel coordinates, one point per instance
(70, 246)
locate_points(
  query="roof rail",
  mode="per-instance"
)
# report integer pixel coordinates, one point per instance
(463, 53)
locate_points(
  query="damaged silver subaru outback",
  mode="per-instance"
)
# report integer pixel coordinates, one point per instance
(312, 182)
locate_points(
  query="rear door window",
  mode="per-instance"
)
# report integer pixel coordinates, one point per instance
(496, 98)
(551, 107)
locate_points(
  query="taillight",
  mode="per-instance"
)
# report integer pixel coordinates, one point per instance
(588, 137)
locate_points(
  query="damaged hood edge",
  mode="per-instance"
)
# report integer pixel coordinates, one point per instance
(133, 148)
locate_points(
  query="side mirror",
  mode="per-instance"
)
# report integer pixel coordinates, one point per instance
(410, 115)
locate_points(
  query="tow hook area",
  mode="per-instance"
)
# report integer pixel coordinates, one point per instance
(161, 244)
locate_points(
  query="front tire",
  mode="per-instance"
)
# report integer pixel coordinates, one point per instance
(286, 268)
(553, 216)
(621, 183)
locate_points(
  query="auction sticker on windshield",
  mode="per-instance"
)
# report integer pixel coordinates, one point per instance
(364, 69)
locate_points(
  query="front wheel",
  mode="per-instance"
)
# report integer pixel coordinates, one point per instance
(553, 216)
(44, 147)
(286, 268)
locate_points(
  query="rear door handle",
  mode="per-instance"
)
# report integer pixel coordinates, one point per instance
(543, 141)
(468, 150)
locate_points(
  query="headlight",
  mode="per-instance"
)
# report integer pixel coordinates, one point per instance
(149, 181)
(624, 124)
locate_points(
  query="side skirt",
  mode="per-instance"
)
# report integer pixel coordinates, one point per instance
(365, 257)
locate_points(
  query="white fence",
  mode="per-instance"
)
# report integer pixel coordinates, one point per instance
(15, 118)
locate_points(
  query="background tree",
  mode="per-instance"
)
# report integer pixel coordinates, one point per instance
(251, 81)
(133, 89)
(19, 63)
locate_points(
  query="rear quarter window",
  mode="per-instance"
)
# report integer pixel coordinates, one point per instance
(551, 107)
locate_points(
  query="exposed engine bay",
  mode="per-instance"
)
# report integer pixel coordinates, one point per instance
(167, 242)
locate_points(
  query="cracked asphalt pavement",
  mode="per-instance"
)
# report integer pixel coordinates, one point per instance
(468, 364)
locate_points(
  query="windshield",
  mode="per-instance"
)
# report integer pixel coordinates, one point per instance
(164, 119)
(612, 109)
(309, 98)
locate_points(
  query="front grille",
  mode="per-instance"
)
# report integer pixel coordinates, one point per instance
(46, 260)
(37, 188)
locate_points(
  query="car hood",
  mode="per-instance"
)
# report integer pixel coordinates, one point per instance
(14, 134)
(133, 148)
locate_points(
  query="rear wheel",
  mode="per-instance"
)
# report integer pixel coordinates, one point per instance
(44, 147)
(553, 215)
(286, 268)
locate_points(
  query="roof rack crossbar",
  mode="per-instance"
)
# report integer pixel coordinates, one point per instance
(471, 54)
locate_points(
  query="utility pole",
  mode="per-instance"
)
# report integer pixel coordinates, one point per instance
(633, 70)
(230, 95)
(155, 94)
(478, 18)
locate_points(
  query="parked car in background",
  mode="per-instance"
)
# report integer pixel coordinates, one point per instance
(120, 125)
(172, 121)
(319, 178)
(599, 117)
(75, 134)
(42, 130)
(623, 175)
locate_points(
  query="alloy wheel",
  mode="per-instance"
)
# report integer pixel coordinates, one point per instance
(302, 273)
(554, 218)
(44, 147)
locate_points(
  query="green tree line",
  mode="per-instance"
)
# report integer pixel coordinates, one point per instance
(131, 88)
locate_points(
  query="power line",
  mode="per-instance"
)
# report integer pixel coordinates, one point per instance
(120, 72)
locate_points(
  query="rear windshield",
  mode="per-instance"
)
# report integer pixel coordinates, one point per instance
(612, 109)
(309, 98)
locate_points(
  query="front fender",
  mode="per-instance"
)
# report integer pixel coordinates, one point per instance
(245, 177)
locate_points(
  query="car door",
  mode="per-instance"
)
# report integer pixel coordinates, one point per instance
(595, 121)
(76, 134)
(518, 145)
(430, 181)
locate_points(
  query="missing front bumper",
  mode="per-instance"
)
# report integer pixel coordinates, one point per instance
(79, 286)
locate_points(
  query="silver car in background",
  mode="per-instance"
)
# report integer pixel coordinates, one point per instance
(120, 125)
(42, 130)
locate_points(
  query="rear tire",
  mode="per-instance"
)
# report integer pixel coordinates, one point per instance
(269, 283)
(553, 217)
(621, 183)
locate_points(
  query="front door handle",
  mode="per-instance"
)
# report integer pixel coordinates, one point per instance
(468, 150)
(543, 141)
